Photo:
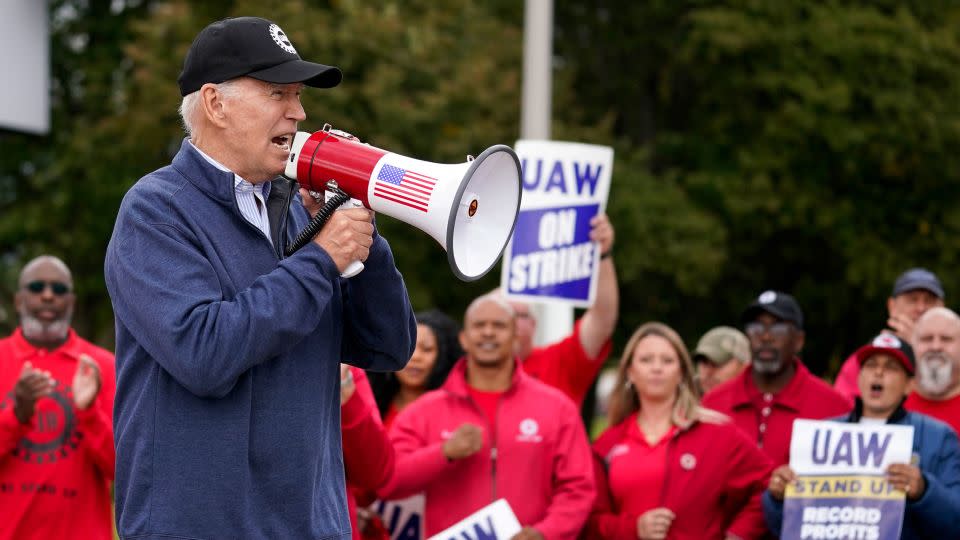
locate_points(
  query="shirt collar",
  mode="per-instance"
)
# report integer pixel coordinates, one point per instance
(790, 396)
(239, 184)
(23, 349)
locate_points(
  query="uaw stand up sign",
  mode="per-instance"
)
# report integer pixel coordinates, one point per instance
(841, 490)
(550, 256)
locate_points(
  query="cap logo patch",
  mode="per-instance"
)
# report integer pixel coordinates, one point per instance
(887, 341)
(768, 297)
(281, 39)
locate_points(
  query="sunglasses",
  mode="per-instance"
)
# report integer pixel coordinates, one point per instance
(59, 288)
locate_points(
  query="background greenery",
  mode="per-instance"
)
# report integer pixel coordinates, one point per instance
(808, 146)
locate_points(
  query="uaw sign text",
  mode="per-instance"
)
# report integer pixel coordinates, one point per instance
(841, 490)
(551, 257)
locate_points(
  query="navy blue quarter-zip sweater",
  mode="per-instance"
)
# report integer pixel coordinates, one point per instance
(227, 412)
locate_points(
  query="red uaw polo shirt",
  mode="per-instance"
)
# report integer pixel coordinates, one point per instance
(768, 418)
(55, 472)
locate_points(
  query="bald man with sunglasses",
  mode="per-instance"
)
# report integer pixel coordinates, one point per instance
(56, 399)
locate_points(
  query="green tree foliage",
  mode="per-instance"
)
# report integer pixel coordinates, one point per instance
(799, 145)
(813, 140)
(432, 82)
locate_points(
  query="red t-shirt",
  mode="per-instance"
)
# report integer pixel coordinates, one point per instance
(487, 401)
(565, 366)
(55, 472)
(947, 410)
(635, 462)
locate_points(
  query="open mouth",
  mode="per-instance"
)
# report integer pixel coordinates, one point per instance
(876, 389)
(282, 142)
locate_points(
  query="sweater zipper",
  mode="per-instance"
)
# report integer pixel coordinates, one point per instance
(493, 450)
(493, 440)
(281, 234)
(666, 475)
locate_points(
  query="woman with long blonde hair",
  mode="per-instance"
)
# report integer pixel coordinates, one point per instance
(667, 467)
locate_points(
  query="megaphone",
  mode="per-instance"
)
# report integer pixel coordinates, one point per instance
(469, 208)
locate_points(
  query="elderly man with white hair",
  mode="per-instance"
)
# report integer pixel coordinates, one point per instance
(936, 339)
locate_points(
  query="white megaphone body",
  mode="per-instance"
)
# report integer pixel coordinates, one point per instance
(469, 208)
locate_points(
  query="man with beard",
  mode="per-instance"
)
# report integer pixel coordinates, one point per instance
(765, 399)
(56, 398)
(936, 338)
(931, 481)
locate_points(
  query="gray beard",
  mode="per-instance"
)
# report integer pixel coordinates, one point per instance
(934, 377)
(44, 332)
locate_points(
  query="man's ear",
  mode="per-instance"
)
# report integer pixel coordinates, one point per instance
(799, 339)
(212, 105)
(908, 389)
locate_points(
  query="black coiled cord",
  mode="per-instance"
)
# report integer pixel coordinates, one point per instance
(318, 221)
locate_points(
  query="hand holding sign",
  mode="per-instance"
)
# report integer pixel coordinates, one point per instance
(780, 478)
(465, 441)
(601, 232)
(907, 478)
(528, 533)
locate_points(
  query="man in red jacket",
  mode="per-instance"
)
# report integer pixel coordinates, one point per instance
(494, 432)
(56, 399)
(777, 389)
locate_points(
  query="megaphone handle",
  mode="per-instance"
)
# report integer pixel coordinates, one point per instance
(355, 267)
(316, 223)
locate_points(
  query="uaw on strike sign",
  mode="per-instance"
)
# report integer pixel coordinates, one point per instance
(551, 257)
(841, 492)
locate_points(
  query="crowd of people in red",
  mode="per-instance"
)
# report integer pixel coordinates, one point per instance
(697, 443)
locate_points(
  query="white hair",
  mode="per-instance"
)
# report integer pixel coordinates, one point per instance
(938, 311)
(191, 103)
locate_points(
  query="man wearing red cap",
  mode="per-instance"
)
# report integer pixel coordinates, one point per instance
(777, 389)
(932, 482)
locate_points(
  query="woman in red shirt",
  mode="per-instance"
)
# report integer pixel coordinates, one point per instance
(668, 468)
(437, 350)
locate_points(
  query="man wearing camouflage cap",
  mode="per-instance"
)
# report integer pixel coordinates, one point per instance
(721, 354)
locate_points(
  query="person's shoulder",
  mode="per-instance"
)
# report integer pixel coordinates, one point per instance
(610, 437)
(417, 415)
(103, 356)
(722, 395)
(819, 391)
(933, 427)
(534, 388)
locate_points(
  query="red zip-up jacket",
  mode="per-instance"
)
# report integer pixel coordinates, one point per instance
(368, 457)
(714, 479)
(55, 472)
(535, 455)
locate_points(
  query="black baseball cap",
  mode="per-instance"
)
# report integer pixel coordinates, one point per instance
(918, 279)
(779, 304)
(251, 47)
(887, 343)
